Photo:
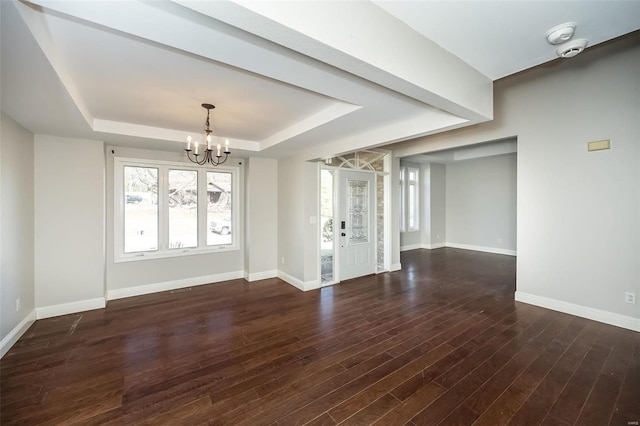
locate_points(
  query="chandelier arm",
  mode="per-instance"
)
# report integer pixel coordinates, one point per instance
(218, 160)
(194, 157)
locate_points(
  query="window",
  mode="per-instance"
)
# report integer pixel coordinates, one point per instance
(409, 199)
(164, 209)
(413, 209)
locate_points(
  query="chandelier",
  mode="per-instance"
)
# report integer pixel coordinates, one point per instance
(206, 156)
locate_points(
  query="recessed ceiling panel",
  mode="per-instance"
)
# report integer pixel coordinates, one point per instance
(123, 78)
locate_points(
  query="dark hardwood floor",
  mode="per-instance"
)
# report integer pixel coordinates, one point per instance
(440, 342)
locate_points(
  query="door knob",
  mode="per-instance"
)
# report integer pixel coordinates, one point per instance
(343, 234)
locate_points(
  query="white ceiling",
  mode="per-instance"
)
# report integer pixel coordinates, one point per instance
(286, 77)
(500, 38)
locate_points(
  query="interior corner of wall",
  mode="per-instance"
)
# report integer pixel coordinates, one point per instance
(12, 337)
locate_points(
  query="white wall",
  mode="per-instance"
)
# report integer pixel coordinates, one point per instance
(578, 213)
(395, 214)
(438, 209)
(146, 276)
(291, 211)
(311, 234)
(481, 204)
(433, 207)
(425, 204)
(261, 223)
(69, 225)
(16, 232)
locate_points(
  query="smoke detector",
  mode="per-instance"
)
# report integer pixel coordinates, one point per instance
(561, 33)
(572, 48)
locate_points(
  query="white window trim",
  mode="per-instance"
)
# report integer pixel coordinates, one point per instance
(416, 207)
(163, 210)
(403, 198)
(405, 187)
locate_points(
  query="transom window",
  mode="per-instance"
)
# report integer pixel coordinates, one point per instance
(165, 209)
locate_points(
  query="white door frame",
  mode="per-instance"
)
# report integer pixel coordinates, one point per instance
(387, 220)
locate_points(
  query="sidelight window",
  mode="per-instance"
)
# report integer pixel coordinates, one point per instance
(409, 199)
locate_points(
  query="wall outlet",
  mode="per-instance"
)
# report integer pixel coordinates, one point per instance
(18, 305)
(630, 298)
(282, 261)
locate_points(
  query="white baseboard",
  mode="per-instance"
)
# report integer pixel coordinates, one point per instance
(299, 284)
(434, 246)
(256, 276)
(458, 246)
(482, 248)
(395, 267)
(17, 332)
(70, 308)
(311, 285)
(120, 293)
(291, 280)
(606, 317)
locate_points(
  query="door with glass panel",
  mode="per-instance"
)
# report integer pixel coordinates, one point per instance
(356, 224)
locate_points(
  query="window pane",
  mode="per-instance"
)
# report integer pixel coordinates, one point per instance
(413, 174)
(219, 208)
(140, 209)
(326, 226)
(357, 211)
(380, 202)
(183, 209)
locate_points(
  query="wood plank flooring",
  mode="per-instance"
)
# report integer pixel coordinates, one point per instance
(440, 342)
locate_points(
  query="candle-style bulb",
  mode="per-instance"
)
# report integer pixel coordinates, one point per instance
(209, 142)
(196, 148)
(189, 143)
(218, 150)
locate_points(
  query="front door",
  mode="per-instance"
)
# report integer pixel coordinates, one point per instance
(356, 230)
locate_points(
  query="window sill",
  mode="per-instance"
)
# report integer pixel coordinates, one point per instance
(135, 257)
